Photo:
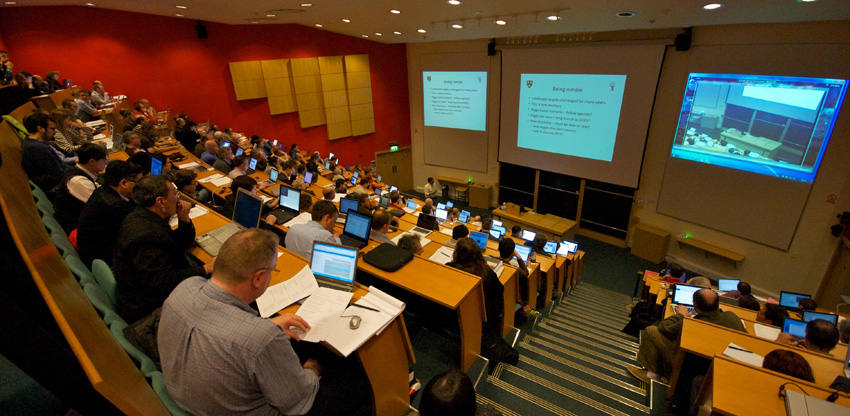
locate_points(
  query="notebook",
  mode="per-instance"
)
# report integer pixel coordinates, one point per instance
(791, 300)
(384, 201)
(411, 206)
(495, 234)
(523, 252)
(246, 214)
(308, 178)
(425, 225)
(290, 202)
(795, 327)
(809, 316)
(379, 179)
(528, 235)
(497, 222)
(479, 238)
(156, 166)
(684, 295)
(441, 205)
(117, 139)
(393, 188)
(334, 265)
(356, 230)
(353, 180)
(463, 218)
(273, 174)
(449, 205)
(355, 175)
(727, 285)
(551, 247)
(239, 151)
(442, 215)
(345, 205)
(567, 247)
(252, 165)
(225, 144)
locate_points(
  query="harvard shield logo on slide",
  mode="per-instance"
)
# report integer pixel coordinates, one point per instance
(528, 83)
(429, 78)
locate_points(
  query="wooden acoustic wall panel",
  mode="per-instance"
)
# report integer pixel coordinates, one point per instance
(279, 89)
(248, 80)
(336, 97)
(308, 91)
(360, 94)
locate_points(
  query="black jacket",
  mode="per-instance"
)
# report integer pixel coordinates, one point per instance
(99, 223)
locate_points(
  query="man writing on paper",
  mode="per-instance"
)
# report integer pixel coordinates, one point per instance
(220, 357)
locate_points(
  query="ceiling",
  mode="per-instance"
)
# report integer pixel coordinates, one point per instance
(436, 17)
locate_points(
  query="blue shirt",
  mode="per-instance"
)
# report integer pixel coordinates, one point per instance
(208, 158)
(300, 238)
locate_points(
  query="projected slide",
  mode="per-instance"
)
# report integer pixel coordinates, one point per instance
(770, 125)
(455, 99)
(574, 115)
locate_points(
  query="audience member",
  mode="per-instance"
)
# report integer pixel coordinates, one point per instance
(69, 136)
(789, 363)
(85, 111)
(6, 66)
(467, 257)
(77, 185)
(313, 164)
(451, 393)
(844, 331)
(38, 160)
(294, 153)
(508, 254)
(396, 200)
(410, 242)
(105, 210)
(381, 226)
(300, 237)
(40, 84)
(807, 304)
(186, 182)
(516, 231)
(306, 203)
(53, 82)
(460, 231)
(150, 258)
(99, 96)
(223, 163)
(249, 184)
(209, 156)
(749, 302)
(772, 314)
(132, 143)
(287, 172)
(430, 188)
(186, 134)
(240, 167)
(821, 337)
(298, 182)
(675, 274)
(328, 193)
(338, 175)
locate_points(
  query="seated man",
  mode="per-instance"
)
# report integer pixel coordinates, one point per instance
(396, 200)
(313, 164)
(287, 172)
(224, 162)
(132, 143)
(219, 357)
(364, 186)
(306, 203)
(338, 175)
(77, 185)
(807, 304)
(85, 110)
(675, 274)
(743, 289)
(99, 96)
(150, 258)
(210, 154)
(300, 237)
(249, 184)
(429, 210)
(328, 193)
(749, 302)
(365, 204)
(430, 188)
(381, 226)
(341, 186)
(772, 314)
(240, 167)
(186, 182)
(821, 337)
(105, 211)
(507, 253)
(41, 164)
(516, 231)
(789, 363)
(659, 343)
(458, 232)
(298, 182)
(410, 242)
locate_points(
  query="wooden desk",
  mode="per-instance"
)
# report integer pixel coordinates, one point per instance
(552, 226)
(479, 195)
(707, 340)
(711, 248)
(763, 146)
(735, 388)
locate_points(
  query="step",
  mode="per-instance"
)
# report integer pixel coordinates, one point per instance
(588, 335)
(577, 299)
(601, 297)
(611, 314)
(568, 340)
(589, 351)
(601, 290)
(518, 400)
(564, 396)
(602, 321)
(481, 400)
(608, 332)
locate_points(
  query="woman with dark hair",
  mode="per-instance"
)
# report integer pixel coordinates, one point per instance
(789, 363)
(53, 83)
(467, 257)
(69, 136)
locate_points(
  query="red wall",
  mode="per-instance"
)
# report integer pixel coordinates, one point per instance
(162, 59)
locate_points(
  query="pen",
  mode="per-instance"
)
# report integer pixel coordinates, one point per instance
(740, 349)
(365, 307)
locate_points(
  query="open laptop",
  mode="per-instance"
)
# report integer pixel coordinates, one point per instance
(727, 285)
(384, 202)
(252, 165)
(345, 205)
(393, 188)
(479, 238)
(567, 247)
(246, 214)
(795, 327)
(449, 205)
(308, 178)
(290, 202)
(441, 205)
(357, 229)
(442, 215)
(791, 300)
(117, 143)
(334, 265)
(528, 235)
(463, 217)
(411, 206)
(425, 225)
(684, 295)
(156, 166)
(355, 174)
(809, 316)
(497, 232)
(551, 247)
(523, 252)
(497, 222)
(225, 144)
(273, 174)
(239, 151)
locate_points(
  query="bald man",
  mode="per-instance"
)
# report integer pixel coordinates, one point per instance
(210, 154)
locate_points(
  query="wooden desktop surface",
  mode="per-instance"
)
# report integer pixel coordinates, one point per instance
(552, 224)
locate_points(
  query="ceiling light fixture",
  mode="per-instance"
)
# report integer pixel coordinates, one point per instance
(397, 33)
(500, 22)
(394, 11)
(554, 17)
(346, 20)
(457, 26)
(712, 6)
(306, 4)
(318, 25)
(454, 2)
(181, 7)
(806, 1)
(421, 30)
(379, 34)
(9, 3)
(365, 36)
(89, 4)
(178, 15)
(271, 15)
(625, 14)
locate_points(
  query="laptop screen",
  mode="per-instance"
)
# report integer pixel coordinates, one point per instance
(247, 210)
(378, 191)
(308, 177)
(809, 316)
(327, 165)
(355, 174)
(684, 294)
(791, 300)
(274, 143)
(225, 144)
(357, 225)
(495, 233)
(385, 202)
(795, 327)
(426, 221)
(412, 204)
(253, 164)
(497, 222)
(726, 285)
(441, 205)
(156, 166)
(567, 247)
(273, 175)
(239, 151)
(353, 180)
(116, 143)
(463, 217)
(346, 204)
(551, 247)
(449, 204)
(379, 178)
(442, 214)
(393, 188)
(334, 262)
(501, 230)
(479, 238)
(290, 198)
(528, 235)
(523, 252)
(331, 156)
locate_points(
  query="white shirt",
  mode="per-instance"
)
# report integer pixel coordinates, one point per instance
(235, 173)
(80, 187)
(430, 190)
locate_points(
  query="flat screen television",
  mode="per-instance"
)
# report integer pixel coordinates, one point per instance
(770, 125)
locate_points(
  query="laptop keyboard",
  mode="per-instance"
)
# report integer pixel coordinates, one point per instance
(334, 286)
(223, 233)
(420, 230)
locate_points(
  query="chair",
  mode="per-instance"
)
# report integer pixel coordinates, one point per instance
(146, 364)
(63, 245)
(104, 278)
(158, 385)
(100, 301)
(44, 205)
(37, 192)
(462, 193)
(80, 271)
(53, 226)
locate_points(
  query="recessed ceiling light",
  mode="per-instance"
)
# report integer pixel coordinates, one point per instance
(178, 15)
(625, 14)
(346, 20)
(553, 17)
(271, 15)
(457, 26)
(805, 1)
(379, 34)
(365, 36)
(89, 4)
(421, 30)
(255, 22)
(318, 25)
(394, 11)
(500, 22)
(306, 4)
(397, 33)
(181, 7)
(712, 6)
(454, 2)
(11, 3)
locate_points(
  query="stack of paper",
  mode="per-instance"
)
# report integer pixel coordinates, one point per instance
(302, 218)
(446, 231)
(211, 178)
(322, 310)
(286, 293)
(347, 340)
(422, 240)
(188, 165)
(218, 183)
(766, 332)
(443, 255)
(739, 353)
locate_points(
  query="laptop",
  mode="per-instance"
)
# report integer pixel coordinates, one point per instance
(727, 285)
(684, 295)
(442, 215)
(463, 218)
(495, 234)
(252, 165)
(791, 300)
(528, 235)
(497, 222)
(523, 252)
(239, 151)
(273, 174)
(246, 214)
(356, 231)
(308, 178)
(345, 205)
(225, 144)
(355, 174)
(801, 404)
(809, 316)
(353, 180)
(384, 202)
(117, 141)
(156, 166)
(379, 179)
(449, 205)
(425, 225)
(441, 205)
(411, 206)
(327, 165)
(551, 247)
(567, 247)
(393, 188)
(334, 266)
(479, 238)
(290, 201)
(795, 327)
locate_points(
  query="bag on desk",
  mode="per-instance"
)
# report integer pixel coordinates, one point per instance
(388, 257)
